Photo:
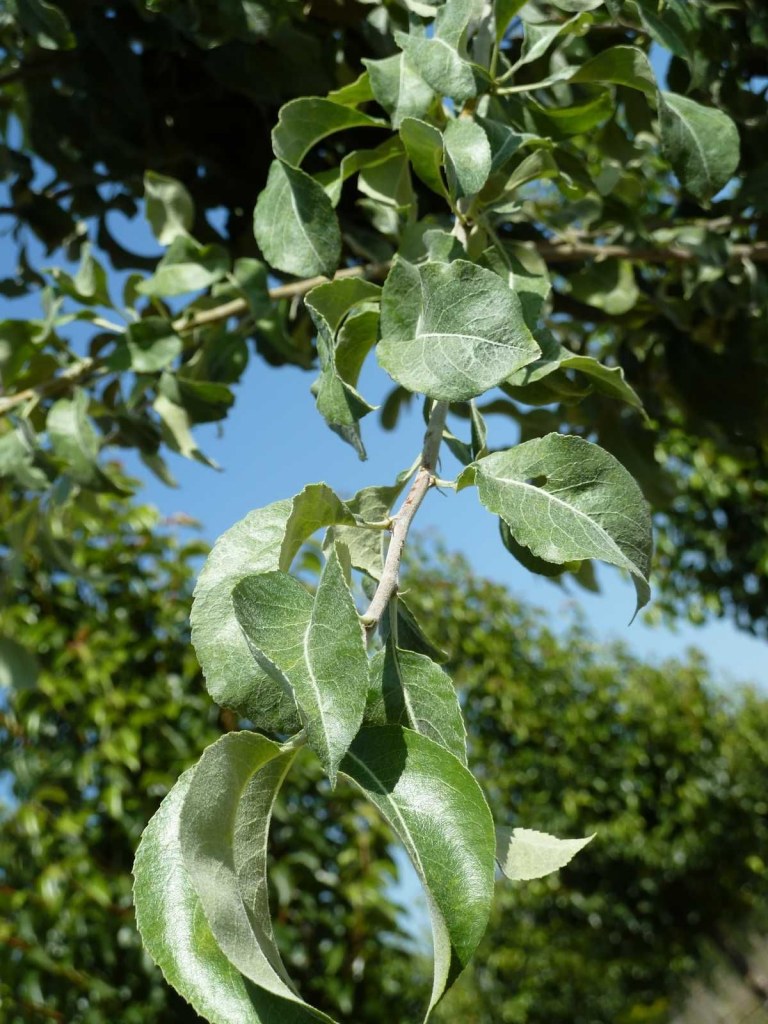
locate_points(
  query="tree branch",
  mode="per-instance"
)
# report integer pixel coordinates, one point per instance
(424, 479)
(370, 271)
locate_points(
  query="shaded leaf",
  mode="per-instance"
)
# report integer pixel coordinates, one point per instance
(424, 146)
(168, 206)
(73, 437)
(411, 690)
(304, 122)
(701, 144)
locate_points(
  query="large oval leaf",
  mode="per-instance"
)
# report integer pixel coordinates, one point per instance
(295, 224)
(451, 330)
(305, 121)
(566, 500)
(701, 144)
(439, 813)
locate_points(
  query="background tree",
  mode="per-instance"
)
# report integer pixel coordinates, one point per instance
(579, 737)
(652, 277)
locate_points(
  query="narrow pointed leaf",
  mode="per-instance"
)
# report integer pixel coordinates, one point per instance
(415, 783)
(566, 500)
(267, 539)
(73, 437)
(424, 146)
(451, 330)
(408, 689)
(223, 828)
(467, 156)
(524, 854)
(398, 88)
(172, 926)
(304, 122)
(315, 648)
(620, 65)
(701, 144)
(295, 224)
(338, 401)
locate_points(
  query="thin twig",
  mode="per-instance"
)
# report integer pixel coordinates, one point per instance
(370, 271)
(401, 523)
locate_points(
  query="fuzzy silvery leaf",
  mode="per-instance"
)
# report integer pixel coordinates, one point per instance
(411, 690)
(398, 88)
(305, 121)
(264, 541)
(415, 783)
(451, 330)
(314, 648)
(172, 925)
(567, 500)
(701, 143)
(467, 156)
(223, 828)
(295, 224)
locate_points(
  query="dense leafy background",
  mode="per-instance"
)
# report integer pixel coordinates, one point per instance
(566, 735)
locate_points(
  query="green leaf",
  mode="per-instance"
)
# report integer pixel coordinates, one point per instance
(537, 39)
(358, 160)
(467, 156)
(316, 649)
(46, 24)
(295, 225)
(223, 830)
(505, 11)
(451, 330)
(153, 344)
(503, 140)
(609, 380)
(172, 925)
(176, 427)
(73, 437)
(573, 120)
(529, 561)
(17, 461)
(620, 65)
(609, 285)
(415, 783)
(398, 88)
(701, 144)
(169, 207)
(524, 854)
(566, 500)
(186, 267)
(354, 93)
(267, 539)
(19, 669)
(365, 545)
(304, 122)
(439, 64)
(424, 146)
(341, 355)
(411, 690)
